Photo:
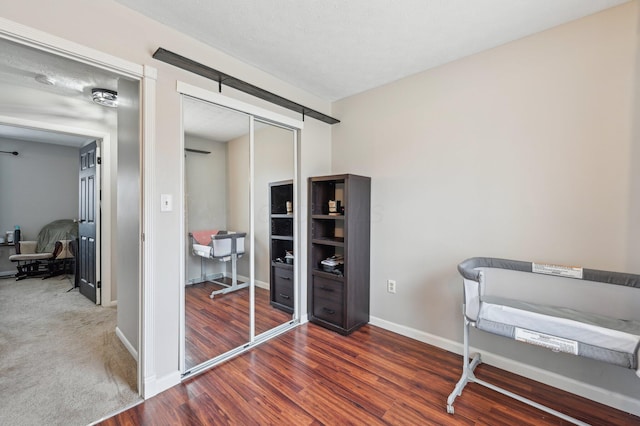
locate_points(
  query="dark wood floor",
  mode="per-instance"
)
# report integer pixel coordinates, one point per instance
(215, 326)
(311, 376)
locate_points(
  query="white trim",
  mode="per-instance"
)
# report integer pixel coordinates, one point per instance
(262, 284)
(297, 235)
(183, 247)
(252, 230)
(35, 124)
(154, 385)
(216, 98)
(419, 335)
(67, 49)
(146, 314)
(127, 344)
(585, 390)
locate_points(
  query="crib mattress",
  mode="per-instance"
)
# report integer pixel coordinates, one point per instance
(561, 329)
(220, 244)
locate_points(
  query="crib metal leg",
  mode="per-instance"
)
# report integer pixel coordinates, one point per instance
(469, 377)
(234, 280)
(467, 369)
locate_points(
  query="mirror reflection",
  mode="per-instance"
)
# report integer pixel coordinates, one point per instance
(219, 244)
(273, 183)
(217, 317)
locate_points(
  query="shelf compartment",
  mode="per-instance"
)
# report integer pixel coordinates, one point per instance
(281, 192)
(279, 248)
(282, 226)
(320, 252)
(327, 230)
(324, 190)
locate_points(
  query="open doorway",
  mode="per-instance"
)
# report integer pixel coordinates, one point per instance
(54, 93)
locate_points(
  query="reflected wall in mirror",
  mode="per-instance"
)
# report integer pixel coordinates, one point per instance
(217, 315)
(274, 225)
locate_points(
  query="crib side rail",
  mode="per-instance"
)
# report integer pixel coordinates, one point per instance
(471, 269)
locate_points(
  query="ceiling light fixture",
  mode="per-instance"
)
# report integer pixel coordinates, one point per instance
(105, 97)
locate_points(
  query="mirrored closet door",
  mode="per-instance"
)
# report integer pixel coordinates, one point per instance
(273, 176)
(240, 231)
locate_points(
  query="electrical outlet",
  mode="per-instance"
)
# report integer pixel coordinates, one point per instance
(391, 286)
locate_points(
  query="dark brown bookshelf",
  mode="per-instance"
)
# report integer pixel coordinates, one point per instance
(339, 300)
(281, 241)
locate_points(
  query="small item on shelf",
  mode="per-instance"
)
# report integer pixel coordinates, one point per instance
(288, 257)
(334, 208)
(289, 207)
(332, 263)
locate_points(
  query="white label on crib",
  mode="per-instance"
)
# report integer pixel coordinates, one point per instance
(556, 344)
(560, 270)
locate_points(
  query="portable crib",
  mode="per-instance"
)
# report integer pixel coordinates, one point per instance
(224, 246)
(561, 329)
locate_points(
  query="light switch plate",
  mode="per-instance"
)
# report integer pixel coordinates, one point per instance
(166, 202)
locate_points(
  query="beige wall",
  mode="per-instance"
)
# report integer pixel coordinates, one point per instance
(205, 198)
(523, 152)
(38, 186)
(273, 163)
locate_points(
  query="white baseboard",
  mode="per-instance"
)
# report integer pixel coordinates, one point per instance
(212, 277)
(260, 284)
(127, 344)
(594, 393)
(154, 385)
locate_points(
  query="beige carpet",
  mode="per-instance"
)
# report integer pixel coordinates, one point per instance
(61, 362)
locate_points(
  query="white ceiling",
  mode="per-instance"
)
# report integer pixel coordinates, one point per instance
(337, 48)
(213, 122)
(67, 98)
(332, 48)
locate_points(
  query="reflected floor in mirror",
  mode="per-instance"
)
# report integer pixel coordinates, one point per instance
(215, 326)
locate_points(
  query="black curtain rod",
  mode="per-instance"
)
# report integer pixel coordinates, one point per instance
(10, 152)
(222, 78)
(197, 151)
